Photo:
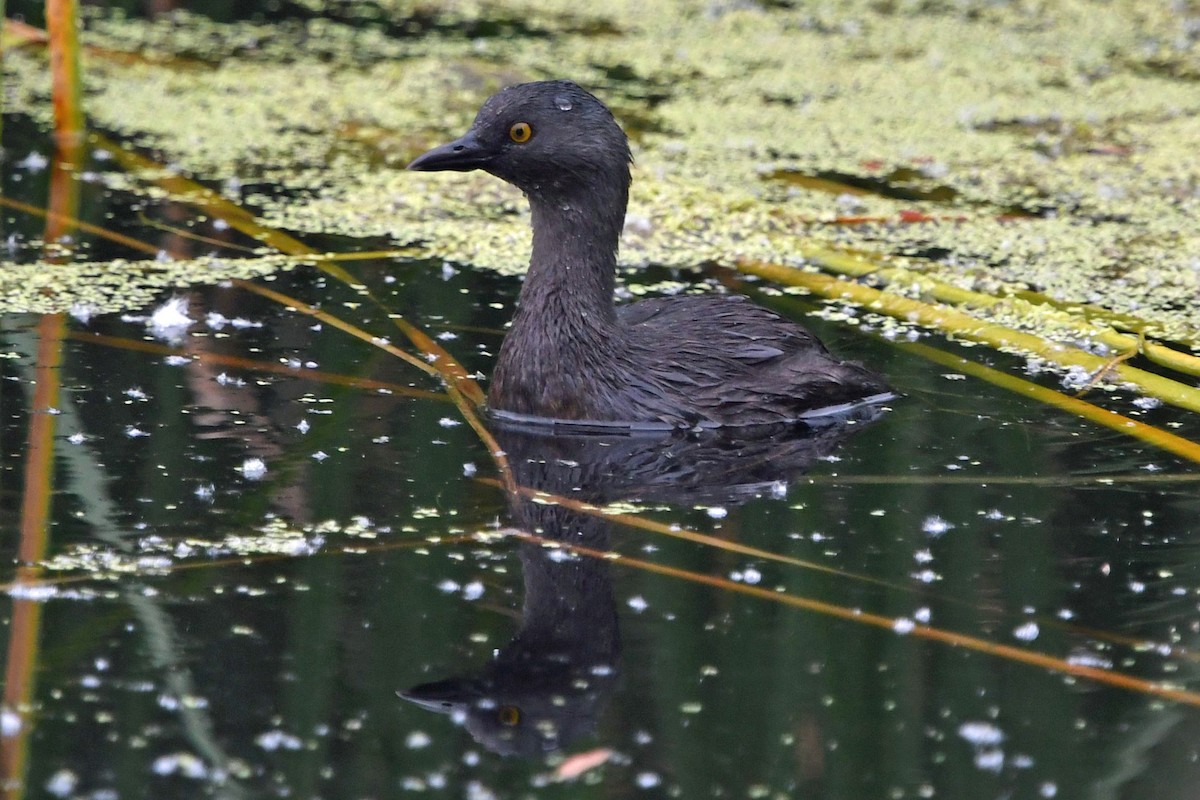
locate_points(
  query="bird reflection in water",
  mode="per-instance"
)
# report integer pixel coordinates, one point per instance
(547, 687)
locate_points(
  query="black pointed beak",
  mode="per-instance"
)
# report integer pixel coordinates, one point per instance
(462, 154)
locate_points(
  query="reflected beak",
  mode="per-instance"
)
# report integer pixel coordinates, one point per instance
(461, 155)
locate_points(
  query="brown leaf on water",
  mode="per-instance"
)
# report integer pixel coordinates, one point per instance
(576, 765)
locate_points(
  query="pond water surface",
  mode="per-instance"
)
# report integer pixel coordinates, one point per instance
(278, 565)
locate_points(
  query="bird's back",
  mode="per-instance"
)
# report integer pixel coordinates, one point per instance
(736, 363)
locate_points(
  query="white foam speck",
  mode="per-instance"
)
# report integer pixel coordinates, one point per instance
(82, 312)
(477, 791)
(10, 722)
(417, 739)
(981, 733)
(1086, 658)
(935, 525)
(34, 162)
(62, 783)
(254, 469)
(1027, 632)
(473, 590)
(990, 759)
(35, 592)
(638, 603)
(170, 321)
(648, 780)
(184, 764)
(278, 740)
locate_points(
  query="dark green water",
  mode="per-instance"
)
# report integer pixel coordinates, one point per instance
(174, 658)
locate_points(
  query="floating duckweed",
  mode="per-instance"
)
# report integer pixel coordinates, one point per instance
(119, 285)
(1003, 146)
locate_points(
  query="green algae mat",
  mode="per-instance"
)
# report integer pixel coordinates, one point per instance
(998, 148)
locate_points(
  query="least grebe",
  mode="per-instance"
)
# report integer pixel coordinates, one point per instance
(570, 353)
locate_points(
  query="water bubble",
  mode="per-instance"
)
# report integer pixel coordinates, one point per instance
(563, 103)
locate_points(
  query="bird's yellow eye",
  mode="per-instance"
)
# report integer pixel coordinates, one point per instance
(520, 132)
(510, 715)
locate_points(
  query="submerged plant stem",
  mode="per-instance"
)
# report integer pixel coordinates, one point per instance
(634, 521)
(860, 264)
(62, 26)
(960, 324)
(1185, 448)
(860, 617)
(251, 365)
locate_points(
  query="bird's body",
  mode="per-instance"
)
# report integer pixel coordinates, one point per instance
(728, 360)
(570, 353)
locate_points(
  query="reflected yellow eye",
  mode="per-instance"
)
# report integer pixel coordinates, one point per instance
(520, 132)
(510, 715)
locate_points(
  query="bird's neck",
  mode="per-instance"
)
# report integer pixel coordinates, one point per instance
(573, 265)
(564, 342)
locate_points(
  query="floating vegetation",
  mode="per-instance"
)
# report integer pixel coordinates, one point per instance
(89, 288)
(156, 554)
(1060, 163)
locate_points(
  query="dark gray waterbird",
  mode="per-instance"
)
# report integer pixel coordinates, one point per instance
(571, 354)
